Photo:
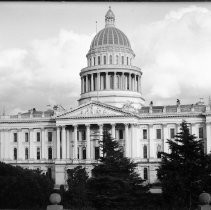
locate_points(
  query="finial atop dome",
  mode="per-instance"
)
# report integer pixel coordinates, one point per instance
(109, 18)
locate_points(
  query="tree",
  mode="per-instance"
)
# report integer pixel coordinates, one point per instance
(76, 194)
(184, 170)
(115, 184)
(23, 188)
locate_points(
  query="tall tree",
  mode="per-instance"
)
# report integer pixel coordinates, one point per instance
(115, 183)
(184, 169)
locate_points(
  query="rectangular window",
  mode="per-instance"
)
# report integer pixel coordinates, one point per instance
(38, 136)
(78, 153)
(104, 59)
(158, 132)
(50, 136)
(123, 60)
(201, 133)
(145, 174)
(98, 60)
(15, 137)
(83, 132)
(26, 137)
(15, 153)
(26, 153)
(144, 133)
(97, 153)
(121, 134)
(84, 153)
(145, 151)
(127, 61)
(172, 133)
(49, 153)
(38, 153)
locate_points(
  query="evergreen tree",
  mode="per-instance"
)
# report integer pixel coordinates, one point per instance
(115, 184)
(184, 169)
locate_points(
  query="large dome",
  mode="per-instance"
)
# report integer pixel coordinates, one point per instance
(110, 36)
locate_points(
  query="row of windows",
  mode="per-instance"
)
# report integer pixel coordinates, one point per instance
(38, 137)
(38, 155)
(118, 60)
(172, 133)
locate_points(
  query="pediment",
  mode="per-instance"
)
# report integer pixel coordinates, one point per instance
(94, 109)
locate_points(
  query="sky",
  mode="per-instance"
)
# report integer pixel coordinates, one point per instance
(43, 47)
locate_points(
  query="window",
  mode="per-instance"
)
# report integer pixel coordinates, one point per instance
(90, 62)
(98, 60)
(83, 134)
(158, 151)
(78, 152)
(26, 153)
(117, 59)
(145, 151)
(38, 153)
(49, 173)
(94, 61)
(111, 81)
(120, 134)
(145, 174)
(15, 137)
(127, 61)
(172, 133)
(38, 136)
(158, 132)
(49, 153)
(97, 153)
(122, 60)
(84, 153)
(110, 59)
(104, 58)
(26, 137)
(60, 151)
(50, 136)
(201, 133)
(144, 133)
(118, 82)
(15, 153)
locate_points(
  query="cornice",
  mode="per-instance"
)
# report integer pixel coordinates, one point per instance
(10, 121)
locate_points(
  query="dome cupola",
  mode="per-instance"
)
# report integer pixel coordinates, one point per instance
(109, 18)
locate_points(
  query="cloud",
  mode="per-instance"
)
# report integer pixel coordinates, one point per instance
(174, 54)
(47, 72)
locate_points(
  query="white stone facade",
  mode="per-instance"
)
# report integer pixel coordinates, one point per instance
(111, 98)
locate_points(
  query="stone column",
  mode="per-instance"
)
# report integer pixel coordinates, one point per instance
(75, 142)
(58, 142)
(113, 131)
(81, 84)
(165, 138)
(88, 142)
(129, 79)
(208, 135)
(98, 81)
(43, 146)
(151, 142)
(63, 142)
(107, 81)
(87, 83)
(127, 148)
(31, 144)
(92, 82)
(101, 138)
(115, 85)
(68, 144)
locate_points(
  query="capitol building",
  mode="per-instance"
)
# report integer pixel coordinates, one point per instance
(111, 99)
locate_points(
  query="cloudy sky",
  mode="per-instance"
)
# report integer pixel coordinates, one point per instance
(43, 48)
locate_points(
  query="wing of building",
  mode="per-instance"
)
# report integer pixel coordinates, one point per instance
(111, 98)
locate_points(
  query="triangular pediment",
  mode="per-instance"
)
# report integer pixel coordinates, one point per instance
(94, 109)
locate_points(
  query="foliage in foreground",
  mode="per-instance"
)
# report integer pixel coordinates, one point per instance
(185, 170)
(23, 188)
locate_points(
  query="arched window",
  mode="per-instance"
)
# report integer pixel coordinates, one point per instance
(26, 153)
(145, 151)
(111, 81)
(84, 153)
(122, 60)
(110, 59)
(158, 151)
(104, 59)
(117, 59)
(98, 60)
(49, 153)
(15, 153)
(145, 174)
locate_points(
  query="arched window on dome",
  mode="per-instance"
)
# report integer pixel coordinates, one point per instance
(127, 61)
(110, 59)
(111, 81)
(159, 151)
(122, 60)
(98, 60)
(117, 59)
(104, 59)
(145, 151)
